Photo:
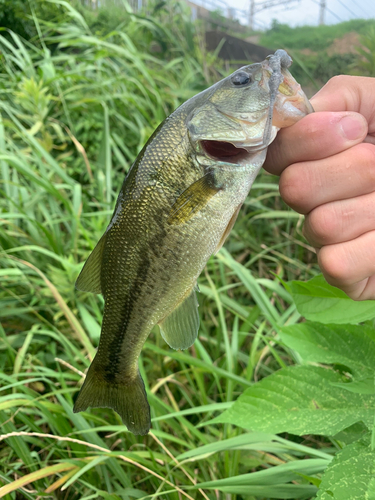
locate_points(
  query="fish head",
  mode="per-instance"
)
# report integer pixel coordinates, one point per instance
(240, 115)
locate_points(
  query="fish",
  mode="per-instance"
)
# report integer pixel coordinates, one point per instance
(176, 207)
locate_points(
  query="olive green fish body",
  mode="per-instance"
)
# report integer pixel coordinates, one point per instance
(176, 206)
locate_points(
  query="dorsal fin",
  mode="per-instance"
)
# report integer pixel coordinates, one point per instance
(89, 278)
(180, 328)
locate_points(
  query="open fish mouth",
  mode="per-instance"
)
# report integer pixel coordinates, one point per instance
(228, 152)
(222, 151)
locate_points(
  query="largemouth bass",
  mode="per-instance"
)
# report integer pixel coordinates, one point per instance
(175, 209)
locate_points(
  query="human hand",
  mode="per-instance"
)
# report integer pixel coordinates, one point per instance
(327, 167)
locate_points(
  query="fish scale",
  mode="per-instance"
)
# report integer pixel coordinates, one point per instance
(177, 205)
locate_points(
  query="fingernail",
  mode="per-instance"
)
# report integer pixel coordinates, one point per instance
(352, 127)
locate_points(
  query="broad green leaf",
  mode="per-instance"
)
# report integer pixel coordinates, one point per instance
(363, 386)
(300, 400)
(351, 434)
(349, 345)
(318, 301)
(351, 475)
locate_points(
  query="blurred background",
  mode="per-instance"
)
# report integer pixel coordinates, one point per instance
(325, 36)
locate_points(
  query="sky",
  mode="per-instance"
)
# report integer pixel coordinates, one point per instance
(301, 12)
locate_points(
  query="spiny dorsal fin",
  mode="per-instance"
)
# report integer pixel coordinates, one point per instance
(228, 229)
(180, 328)
(193, 199)
(89, 278)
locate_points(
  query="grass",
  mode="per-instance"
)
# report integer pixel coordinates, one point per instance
(76, 108)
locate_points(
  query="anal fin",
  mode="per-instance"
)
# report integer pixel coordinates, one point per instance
(89, 278)
(180, 328)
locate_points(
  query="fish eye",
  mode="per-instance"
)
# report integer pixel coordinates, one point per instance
(241, 78)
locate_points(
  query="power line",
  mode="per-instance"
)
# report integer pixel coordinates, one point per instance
(347, 8)
(268, 4)
(330, 11)
(363, 10)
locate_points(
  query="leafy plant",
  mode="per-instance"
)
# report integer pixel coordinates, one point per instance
(337, 401)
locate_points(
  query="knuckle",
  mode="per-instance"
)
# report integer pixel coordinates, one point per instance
(322, 224)
(292, 187)
(338, 80)
(368, 152)
(333, 266)
(363, 160)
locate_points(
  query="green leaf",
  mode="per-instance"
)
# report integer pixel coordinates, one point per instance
(300, 400)
(317, 300)
(349, 345)
(274, 491)
(351, 475)
(284, 473)
(351, 434)
(363, 386)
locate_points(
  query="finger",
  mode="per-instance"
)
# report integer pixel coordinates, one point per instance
(316, 136)
(305, 186)
(348, 93)
(349, 265)
(340, 221)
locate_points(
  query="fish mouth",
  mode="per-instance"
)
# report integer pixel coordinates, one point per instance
(227, 152)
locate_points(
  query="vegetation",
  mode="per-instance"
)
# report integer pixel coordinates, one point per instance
(312, 49)
(315, 38)
(79, 97)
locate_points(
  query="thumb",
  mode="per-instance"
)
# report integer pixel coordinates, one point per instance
(319, 135)
(348, 93)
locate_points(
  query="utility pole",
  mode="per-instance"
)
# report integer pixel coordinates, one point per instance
(268, 4)
(322, 10)
(252, 14)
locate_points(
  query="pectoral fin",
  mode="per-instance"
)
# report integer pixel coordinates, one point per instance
(180, 328)
(193, 199)
(89, 278)
(228, 229)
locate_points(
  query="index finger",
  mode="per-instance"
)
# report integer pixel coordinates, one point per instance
(348, 93)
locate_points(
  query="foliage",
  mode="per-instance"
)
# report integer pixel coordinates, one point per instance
(315, 38)
(365, 65)
(310, 47)
(77, 104)
(17, 16)
(308, 399)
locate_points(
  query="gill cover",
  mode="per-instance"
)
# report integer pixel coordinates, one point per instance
(248, 107)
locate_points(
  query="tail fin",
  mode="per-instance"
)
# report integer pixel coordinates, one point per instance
(128, 399)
